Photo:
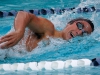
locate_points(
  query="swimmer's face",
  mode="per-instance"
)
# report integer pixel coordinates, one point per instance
(78, 28)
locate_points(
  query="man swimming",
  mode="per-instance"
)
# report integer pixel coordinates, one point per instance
(41, 28)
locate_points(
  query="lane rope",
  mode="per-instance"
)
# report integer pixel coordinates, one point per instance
(50, 11)
(50, 65)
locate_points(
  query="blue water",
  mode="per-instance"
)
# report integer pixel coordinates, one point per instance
(76, 48)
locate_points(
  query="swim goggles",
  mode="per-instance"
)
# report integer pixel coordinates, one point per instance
(80, 26)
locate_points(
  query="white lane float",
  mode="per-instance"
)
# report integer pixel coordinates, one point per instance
(46, 65)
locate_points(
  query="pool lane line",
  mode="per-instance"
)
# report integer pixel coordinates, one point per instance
(50, 65)
(50, 11)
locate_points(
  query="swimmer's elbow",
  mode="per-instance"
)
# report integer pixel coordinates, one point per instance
(23, 14)
(26, 15)
(23, 18)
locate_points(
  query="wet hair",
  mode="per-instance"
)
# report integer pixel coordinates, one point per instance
(82, 19)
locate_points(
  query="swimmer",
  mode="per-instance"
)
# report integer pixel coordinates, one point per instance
(42, 29)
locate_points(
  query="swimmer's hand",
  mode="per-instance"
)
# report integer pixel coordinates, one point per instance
(10, 39)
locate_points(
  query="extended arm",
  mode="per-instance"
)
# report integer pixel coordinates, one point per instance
(23, 20)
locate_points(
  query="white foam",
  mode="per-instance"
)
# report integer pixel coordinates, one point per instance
(3, 54)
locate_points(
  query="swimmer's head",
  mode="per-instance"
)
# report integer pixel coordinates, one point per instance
(78, 27)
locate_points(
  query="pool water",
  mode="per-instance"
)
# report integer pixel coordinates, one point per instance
(76, 48)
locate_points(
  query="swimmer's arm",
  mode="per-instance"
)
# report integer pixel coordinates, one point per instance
(22, 20)
(34, 23)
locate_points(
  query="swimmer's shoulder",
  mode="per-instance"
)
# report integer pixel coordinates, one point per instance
(41, 25)
(48, 26)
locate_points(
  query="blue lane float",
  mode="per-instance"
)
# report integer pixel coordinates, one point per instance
(50, 65)
(50, 11)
